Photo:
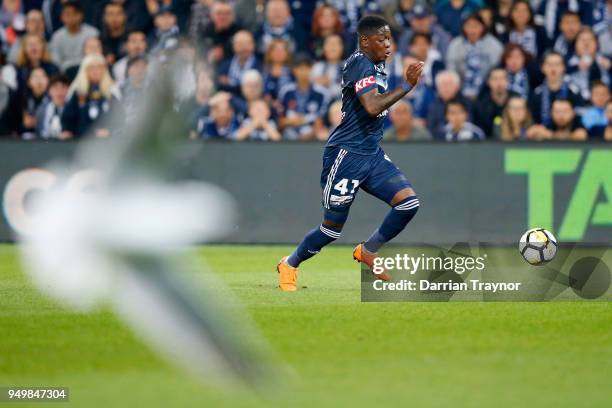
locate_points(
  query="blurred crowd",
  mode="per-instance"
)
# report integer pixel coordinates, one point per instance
(271, 69)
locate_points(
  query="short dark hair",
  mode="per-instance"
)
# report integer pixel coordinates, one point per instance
(597, 83)
(369, 25)
(550, 53)
(59, 79)
(456, 102)
(74, 4)
(416, 36)
(570, 13)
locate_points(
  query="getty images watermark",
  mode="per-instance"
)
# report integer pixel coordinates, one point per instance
(485, 272)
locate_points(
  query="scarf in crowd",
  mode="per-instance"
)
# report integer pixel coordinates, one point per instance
(236, 71)
(561, 46)
(273, 85)
(602, 17)
(166, 40)
(519, 82)
(52, 122)
(526, 39)
(284, 33)
(550, 14)
(473, 75)
(546, 102)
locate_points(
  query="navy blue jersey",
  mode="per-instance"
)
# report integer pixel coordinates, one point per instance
(359, 132)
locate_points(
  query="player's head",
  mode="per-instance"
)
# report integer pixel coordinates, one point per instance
(374, 37)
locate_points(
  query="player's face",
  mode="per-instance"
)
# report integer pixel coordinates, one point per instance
(379, 44)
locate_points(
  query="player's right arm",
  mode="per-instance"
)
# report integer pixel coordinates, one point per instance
(375, 103)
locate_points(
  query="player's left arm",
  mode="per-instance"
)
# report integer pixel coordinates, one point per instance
(375, 103)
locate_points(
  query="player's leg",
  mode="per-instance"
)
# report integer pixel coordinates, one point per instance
(388, 183)
(340, 183)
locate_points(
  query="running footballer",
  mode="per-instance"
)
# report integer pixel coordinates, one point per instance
(353, 158)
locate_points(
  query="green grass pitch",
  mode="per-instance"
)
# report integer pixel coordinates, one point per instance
(344, 353)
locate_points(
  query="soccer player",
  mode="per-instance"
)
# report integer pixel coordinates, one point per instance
(353, 158)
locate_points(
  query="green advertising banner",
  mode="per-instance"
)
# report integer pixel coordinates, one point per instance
(489, 192)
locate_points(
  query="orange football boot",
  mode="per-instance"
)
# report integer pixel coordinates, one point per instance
(361, 255)
(287, 276)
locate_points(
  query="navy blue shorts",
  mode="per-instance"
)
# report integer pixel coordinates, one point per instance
(344, 173)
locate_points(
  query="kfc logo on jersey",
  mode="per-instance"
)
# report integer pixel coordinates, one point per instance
(364, 83)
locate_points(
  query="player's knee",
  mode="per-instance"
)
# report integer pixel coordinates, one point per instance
(408, 207)
(332, 233)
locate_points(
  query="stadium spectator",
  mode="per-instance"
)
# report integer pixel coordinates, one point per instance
(93, 45)
(570, 27)
(501, 17)
(404, 128)
(49, 113)
(33, 53)
(216, 40)
(399, 13)
(67, 42)
(551, 13)
(127, 93)
(486, 15)
(325, 22)
(352, 10)
(473, 54)
(88, 100)
(221, 124)
(230, 71)
(35, 25)
(250, 13)
(450, 14)
(523, 31)
(421, 97)
(448, 86)
(166, 33)
(279, 24)
(564, 124)
(332, 119)
(515, 121)
(490, 104)
(457, 127)
(277, 73)
(515, 60)
(251, 90)
(35, 95)
(605, 131)
(135, 46)
(197, 108)
(199, 19)
(11, 22)
(595, 114)
(258, 125)
(303, 104)
(421, 47)
(423, 22)
(587, 65)
(114, 32)
(328, 73)
(555, 86)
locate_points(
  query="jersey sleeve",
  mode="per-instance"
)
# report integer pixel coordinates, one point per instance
(362, 76)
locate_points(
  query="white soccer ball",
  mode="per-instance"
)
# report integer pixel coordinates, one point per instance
(538, 246)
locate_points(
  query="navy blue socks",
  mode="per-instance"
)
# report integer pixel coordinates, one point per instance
(394, 223)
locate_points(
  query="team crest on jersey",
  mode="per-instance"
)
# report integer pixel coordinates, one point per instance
(364, 83)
